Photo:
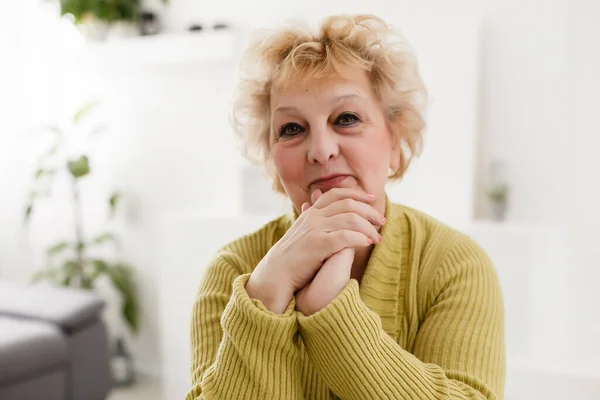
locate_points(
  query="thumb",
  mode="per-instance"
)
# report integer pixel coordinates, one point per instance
(315, 195)
(305, 206)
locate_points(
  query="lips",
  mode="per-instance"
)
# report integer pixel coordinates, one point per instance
(330, 181)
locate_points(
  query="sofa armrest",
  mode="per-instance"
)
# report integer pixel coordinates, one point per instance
(68, 308)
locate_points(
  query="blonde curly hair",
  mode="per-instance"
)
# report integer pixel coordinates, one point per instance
(276, 58)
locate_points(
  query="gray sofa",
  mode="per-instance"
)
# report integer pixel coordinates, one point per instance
(53, 344)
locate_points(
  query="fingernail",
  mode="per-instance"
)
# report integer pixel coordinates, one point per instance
(383, 219)
(370, 196)
(380, 238)
(369, 240)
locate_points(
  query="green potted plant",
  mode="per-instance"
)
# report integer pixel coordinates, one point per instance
(498, 190)
(498, 196)
(69, 261)
(96, 18)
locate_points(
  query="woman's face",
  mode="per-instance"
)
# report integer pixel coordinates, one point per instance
(331, 133)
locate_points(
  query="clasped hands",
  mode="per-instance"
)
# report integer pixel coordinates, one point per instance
(313, 260)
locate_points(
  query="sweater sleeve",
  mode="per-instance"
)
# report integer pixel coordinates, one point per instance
(241, 350)
(459, 349)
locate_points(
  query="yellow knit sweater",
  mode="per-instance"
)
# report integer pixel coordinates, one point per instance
(426, 322)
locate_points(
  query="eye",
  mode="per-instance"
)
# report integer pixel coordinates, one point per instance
(290, 129)
(347, 119)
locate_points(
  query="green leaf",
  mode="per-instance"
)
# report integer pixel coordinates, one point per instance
(41, 172)
(73, 7)
(105, 237)
(100, 267)
(87, 283)
(79, 167)
(49, 274)
(121, 276)
(105, 10)
(66, 280)
(57, 248)
(69, 270)
(28, 211)
(498, 192)
(83, 111)
(112, 202)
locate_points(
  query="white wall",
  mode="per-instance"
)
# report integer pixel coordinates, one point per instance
(523, 115)
(451, 116)
(583, 163)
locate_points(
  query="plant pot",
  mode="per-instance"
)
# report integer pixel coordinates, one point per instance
(498, 209)
(122, 29)
(93, 29)
(96, 30)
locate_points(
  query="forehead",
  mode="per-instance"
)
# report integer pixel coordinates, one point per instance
(351, 84)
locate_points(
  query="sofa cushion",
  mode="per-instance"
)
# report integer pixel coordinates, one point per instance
(68, 307)
(29, 349)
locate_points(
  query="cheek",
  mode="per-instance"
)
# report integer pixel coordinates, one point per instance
(374, 155)
(289, 164)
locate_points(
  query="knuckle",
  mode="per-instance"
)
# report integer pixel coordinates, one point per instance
(355, 220)
(347, 236)
(347, 202)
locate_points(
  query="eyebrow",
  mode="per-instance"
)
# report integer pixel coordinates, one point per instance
(336, 100)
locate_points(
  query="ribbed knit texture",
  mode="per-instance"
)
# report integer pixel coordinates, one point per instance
(426, 322)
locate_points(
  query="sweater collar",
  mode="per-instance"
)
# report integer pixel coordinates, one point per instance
(380, 286)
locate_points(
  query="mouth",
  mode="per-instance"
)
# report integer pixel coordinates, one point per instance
(329, 181)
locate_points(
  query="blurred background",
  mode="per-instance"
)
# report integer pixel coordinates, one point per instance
(119, 170)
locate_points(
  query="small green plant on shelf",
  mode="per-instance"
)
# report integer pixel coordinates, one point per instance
(104, 10)
(498, 193)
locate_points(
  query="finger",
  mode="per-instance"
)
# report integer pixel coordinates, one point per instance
(331, 278)
(354, 222)
(337, 194)
(353, 206)
(314, 196)
(342, 239)
(305, 206)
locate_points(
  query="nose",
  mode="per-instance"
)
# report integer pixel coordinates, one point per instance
(323, 145)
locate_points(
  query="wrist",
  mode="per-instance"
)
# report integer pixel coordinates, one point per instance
(271, 294)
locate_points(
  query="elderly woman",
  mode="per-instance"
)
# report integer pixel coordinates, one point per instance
(349, 296)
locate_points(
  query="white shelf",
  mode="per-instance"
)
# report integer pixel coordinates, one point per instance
(159, 51)
(506, 228)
